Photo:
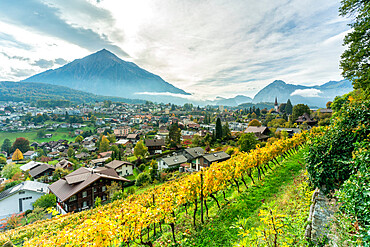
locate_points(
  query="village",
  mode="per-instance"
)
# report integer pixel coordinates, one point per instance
(73, 158)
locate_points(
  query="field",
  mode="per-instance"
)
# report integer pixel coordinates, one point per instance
(67, 134)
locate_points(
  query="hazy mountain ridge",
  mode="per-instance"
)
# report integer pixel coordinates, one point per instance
(31, 92)
(298, 94)
(105, 74)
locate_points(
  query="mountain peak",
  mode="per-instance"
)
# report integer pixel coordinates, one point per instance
(278, 82)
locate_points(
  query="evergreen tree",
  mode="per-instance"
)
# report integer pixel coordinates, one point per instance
(6, 145)
(174, 135)
(289, 107)
(218, 129)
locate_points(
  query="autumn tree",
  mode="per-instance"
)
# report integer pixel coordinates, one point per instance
(79, 139)
(254, 122)
(10, 170)
(104, 144)
(17, 155)
(70, 152)
(22, 144)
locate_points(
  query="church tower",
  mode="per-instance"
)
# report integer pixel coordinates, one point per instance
(276, 106)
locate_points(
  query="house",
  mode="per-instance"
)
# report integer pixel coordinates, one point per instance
(30, 165)
(260, 132)
(122, 142)
(78, 190)
(192, 155)
(48, 135)
(123, 168)
(98, 162)
(306, 118)
(154, 146)
(65, 164)
(105, 154)
(30, 155)
(291, 131)
(20, 198)
(42, 170)
(133, 138)
(122, 131)
(172, 162)
(207, 159)
(82, 155)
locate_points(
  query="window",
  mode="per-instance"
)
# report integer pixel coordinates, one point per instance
(95, 189)
(84, 194)
(84, 204)
(103, 189)
(104, 198)
(73, 198)
(21, 192)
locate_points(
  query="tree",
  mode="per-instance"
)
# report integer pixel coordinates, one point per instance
(104, 144)
(40, 134)
(17, 155)
(22, 144)
(153, 172)
(37, 214)
(112, 189)
(112, 138)
(226, 131)
(140, 150)
(174, 135)
(70, 152)
(289, 107)
(45, 201)
(59, 173)
(247, 141)
(355, 59)
(6, 146)
(218, 129)
(79, 139)
(9, 170)
(2, 162)
(299, 110)
(328, 104)
(254, 122)
(142, 179)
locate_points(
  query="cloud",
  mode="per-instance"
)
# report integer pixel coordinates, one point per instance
(48, 19)
(43, 63)
(311, 92)
(60, 61)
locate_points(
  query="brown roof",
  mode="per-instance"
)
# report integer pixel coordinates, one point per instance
(40, 169)
(106, 154)
(154, 142)
(114, 164)
(81, 178)
(131, 136)
(256, 129)
(63, 164)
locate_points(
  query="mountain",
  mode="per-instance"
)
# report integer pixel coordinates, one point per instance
(314, 96)
(105, 74)
(237, 100)
(33, 92)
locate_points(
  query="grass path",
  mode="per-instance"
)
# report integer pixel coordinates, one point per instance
(218, 231)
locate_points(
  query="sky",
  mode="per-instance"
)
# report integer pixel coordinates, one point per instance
(207, 48)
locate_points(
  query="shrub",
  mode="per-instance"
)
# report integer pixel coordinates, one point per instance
(141, 167)
(45, 201)
(142, 179)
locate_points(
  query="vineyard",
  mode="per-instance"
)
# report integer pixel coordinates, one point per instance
(125, 222)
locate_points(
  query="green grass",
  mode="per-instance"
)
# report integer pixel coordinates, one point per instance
(217, 230)
(31, 135)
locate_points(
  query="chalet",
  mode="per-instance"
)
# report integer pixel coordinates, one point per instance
(30, 165)
(82, 155)
(133, 138)
(155, 146)
(53, 154)
(207, 159)
(65, 164)
(78, 190)
(306, 118)
(122, 142)
(42, 170)
(30, 155)
(98, 162)
(171, 162)
(20, 198)
(291, 131)
(105, 154)
(260, 132)
(123, 168)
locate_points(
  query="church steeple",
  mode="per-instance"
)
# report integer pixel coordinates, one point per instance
(276, 106)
